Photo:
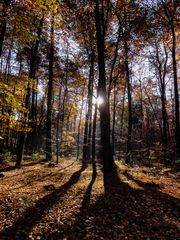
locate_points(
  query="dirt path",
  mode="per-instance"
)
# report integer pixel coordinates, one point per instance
(71, 202)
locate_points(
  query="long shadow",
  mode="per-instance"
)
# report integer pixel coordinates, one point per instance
(123, 212)
(80, 218)
(10, 168)
(7, 169)
(153, 190)
(23, 225)
(33, 180)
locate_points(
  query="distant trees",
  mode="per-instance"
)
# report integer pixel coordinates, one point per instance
(54, 68)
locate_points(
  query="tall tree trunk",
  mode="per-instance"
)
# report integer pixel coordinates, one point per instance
(142, 116)
(114, 119)
(128, 157)
(94, 135)
(79, 127)
(3, 24)
(88, 121)
(49, 96)
(58, 127)
(122, 119)
(162, 87)
(22, 136)
(64, 97)
(107, 154)
(32, 136)
(176, 92)
(85, 141)
(90, 103)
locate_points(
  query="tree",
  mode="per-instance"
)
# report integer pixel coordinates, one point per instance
(100, 21)
(49, 96)
(3, 25)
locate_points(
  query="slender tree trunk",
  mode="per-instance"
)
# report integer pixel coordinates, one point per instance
(122, 119)
(176, 92)
(88, 121)
(114, 119)
(79, 127)
(90, 103)
(142, 115)
(85, 141)
(22, 136)
(49, 97)
(32, 136)
(57, 131)
(128, 157)
(162, 69)
(122, 112)
(94, 135)
(64, 97)
(107, 154)
(7, 71)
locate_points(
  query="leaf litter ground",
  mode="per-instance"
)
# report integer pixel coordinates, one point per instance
(70, 201)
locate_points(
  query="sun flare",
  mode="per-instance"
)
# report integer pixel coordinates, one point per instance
(100, 100)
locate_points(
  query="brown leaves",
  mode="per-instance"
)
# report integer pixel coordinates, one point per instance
(62, 205)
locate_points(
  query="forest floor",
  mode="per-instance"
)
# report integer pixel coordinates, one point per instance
(70, 202)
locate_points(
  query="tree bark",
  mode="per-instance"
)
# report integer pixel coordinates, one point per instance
(32, 136)
(22, 136)
(176, 92)
(107, 154)
(3, 25)
(88, 121)
(58, 127)
(49, 97)
(79, 128)
(128, 157)
(162, 88)
(94, 135)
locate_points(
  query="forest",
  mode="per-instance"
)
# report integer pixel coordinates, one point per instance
(89, 119)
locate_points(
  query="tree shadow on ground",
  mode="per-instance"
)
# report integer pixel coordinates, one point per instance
(10, 168)
(23, 225)
(75, 230)
(123, 212)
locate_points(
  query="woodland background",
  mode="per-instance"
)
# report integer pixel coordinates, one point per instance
(90, 78)
(89, 119)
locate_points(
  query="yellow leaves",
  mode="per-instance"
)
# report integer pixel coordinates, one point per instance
(165, 170)
(47, 5)
(12, 94)
(69, 140)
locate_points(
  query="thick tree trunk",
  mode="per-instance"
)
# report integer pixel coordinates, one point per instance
(107, 154)
(49, 96)
(3, 24)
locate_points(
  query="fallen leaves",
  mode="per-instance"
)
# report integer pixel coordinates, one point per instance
(70, 204)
